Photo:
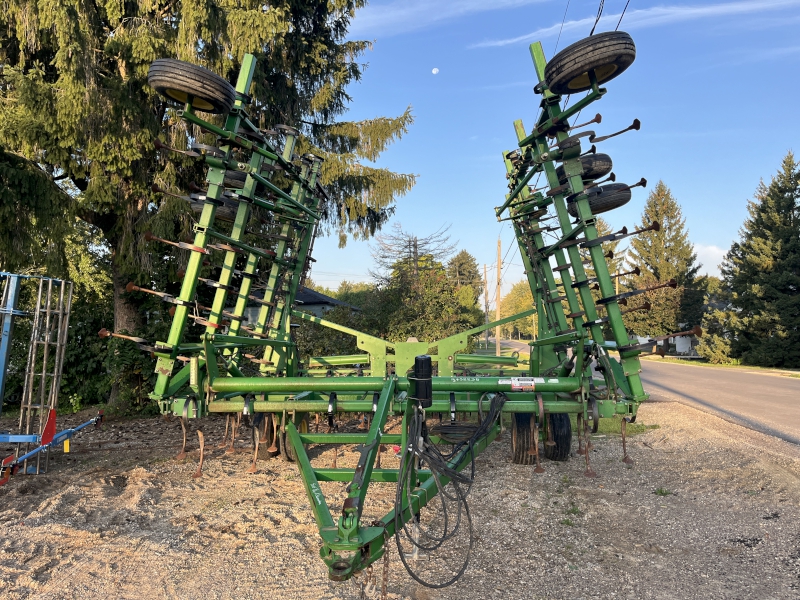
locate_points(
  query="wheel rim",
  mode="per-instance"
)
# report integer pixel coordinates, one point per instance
(183, 98)
(604, 73)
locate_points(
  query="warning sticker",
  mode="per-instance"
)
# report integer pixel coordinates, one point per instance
(525, 384)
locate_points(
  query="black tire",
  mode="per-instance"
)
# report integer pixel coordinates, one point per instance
(287, 450)
(561, 429)
(609, 54)
(226, 212)
(179, 81)
(604, 198)
(236, 179)
(594, 167)
(522, 439)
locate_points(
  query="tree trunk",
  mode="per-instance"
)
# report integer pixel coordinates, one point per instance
(126, 318)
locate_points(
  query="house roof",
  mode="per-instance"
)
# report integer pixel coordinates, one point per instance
(307, 297)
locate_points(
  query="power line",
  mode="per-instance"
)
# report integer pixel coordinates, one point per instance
(599, 14)
(622, 15)
(564, 18)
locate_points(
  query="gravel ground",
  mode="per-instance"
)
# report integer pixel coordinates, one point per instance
(708, 510)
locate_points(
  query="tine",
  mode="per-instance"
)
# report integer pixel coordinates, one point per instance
(199, 472)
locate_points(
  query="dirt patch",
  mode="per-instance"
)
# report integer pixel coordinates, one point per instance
(709, 510)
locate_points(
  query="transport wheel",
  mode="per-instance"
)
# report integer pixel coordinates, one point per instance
(236, 179)
(594, 167)
(604, 198)
(608, 54)
(561, 429)
(522, 439)
(180, 81)
(287, 450)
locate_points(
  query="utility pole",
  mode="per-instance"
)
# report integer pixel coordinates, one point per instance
(486, 300)
(497, 305)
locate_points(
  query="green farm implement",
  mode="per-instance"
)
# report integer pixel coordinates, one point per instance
(243, 359)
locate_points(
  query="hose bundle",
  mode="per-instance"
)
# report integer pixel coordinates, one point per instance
(423, 452)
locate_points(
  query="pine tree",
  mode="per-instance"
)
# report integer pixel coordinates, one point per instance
(660, 256)
(463, 270)
(74, 102)
(762, 275)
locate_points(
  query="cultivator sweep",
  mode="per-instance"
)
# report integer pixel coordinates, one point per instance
(428, 385)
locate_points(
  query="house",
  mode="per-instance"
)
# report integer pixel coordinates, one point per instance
(307, 300)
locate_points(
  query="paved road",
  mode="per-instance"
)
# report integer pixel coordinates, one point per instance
(760, 401)
(767, 403)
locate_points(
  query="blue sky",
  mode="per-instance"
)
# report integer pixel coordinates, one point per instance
(715, 85)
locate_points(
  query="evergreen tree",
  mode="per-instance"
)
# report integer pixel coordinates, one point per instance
(463, 270)
(762, 275)
(715, 345)
(660, 256)
(74, 102)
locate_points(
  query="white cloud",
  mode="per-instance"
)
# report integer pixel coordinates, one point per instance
(649, 17)
(401, 16)
(710, 257)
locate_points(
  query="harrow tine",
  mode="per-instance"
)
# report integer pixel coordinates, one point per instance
(104, 333)
(199, 472)
(625, 458)
(598, 118)
(589, 472)
(182, 453)
(154, 188)
(636, 125)
(273, 449)
(234, 432)
(256, 442)
(159, 145)
(625, 295)
(224, 441)
(149, 237)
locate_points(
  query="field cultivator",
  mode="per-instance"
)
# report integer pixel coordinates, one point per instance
(244, 360)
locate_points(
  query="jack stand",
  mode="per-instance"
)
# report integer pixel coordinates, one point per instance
(415, 554)
(625, 458)
(182, 453)
(199, 472)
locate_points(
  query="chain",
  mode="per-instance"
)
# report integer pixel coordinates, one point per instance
(385, 566)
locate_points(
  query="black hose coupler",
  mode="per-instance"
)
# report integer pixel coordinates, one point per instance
(423, 387)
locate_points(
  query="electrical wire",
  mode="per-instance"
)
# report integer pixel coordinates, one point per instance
(564, 18)
(622, 15)
(599, 14)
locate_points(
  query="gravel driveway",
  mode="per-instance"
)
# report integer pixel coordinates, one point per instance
(709, 510)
